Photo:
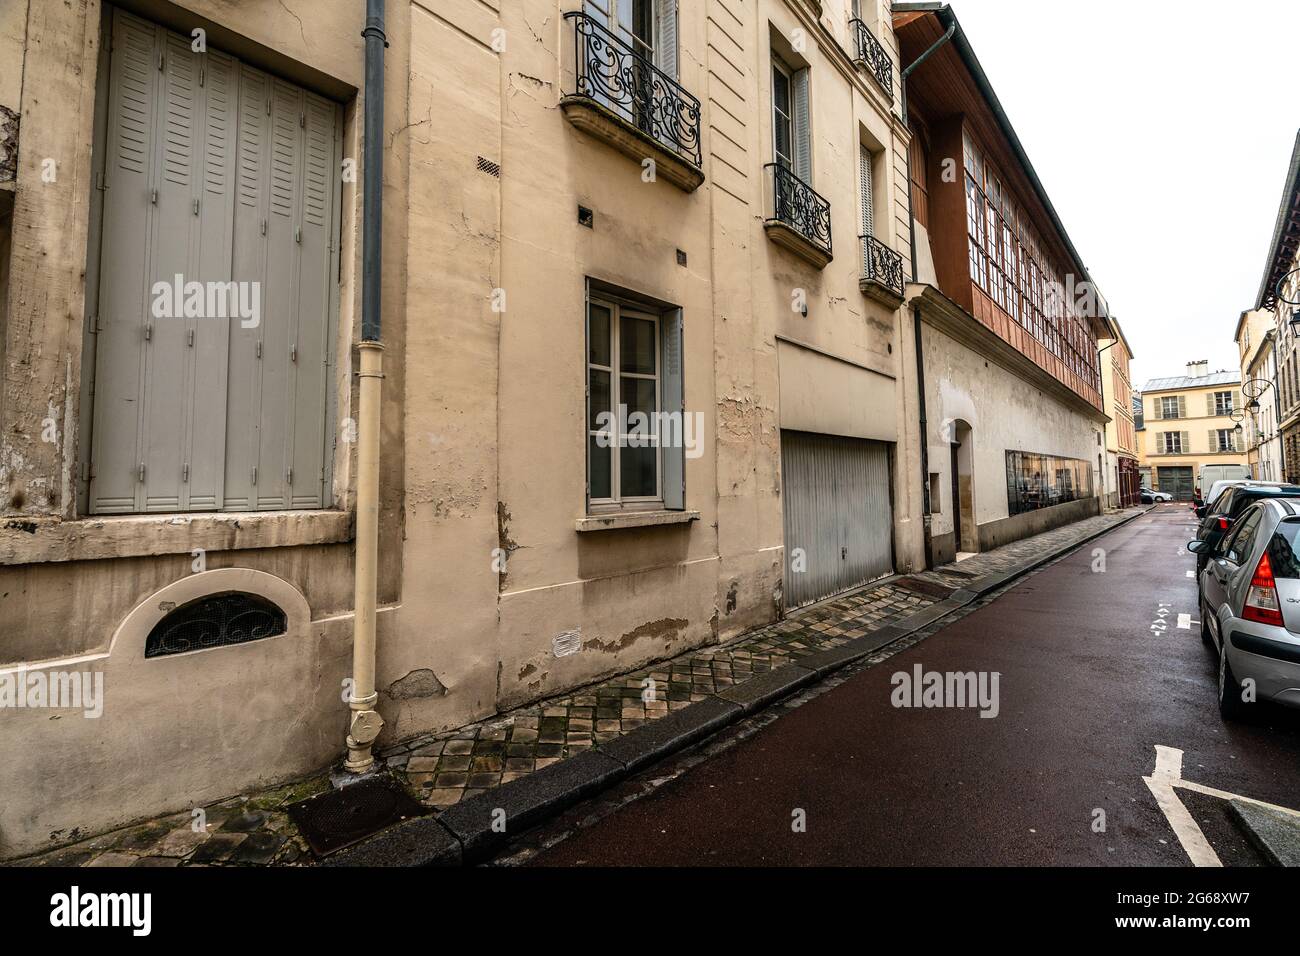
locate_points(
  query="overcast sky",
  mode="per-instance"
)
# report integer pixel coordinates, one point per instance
(1162, 132)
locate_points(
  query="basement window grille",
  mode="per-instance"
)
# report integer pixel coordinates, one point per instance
(215, 620)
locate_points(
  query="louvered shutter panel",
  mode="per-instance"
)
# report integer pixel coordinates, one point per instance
(244, 397)
(203, 471)
(1158, 410)
(666, 36)
(312, 331)
(802, 134)
(1185, 443)
(1213, 446)
(868, 201)
(674, 458)
(125, 290)
(1209, 404)
(1182, 406)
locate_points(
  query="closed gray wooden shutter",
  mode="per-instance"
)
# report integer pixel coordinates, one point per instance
(219, 175)
(1184, 443)
(802, 133)
(126, 282)
(673, 394)
(1214, 442)
(1209, 404)
(1182, 406)
(666, 36)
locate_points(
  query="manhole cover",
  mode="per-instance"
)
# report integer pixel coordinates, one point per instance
(340, 818)
(922, 586)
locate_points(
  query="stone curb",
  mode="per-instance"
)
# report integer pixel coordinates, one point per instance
(464, 834)
(1274, 834)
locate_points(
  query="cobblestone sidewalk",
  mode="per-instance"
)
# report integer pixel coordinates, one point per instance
(442, 769)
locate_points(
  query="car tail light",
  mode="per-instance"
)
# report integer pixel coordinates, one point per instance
(1223, 524)
(1262, 604)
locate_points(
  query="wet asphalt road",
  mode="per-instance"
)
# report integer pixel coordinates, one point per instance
(1087, 689)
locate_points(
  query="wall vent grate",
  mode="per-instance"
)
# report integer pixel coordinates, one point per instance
(487, 166)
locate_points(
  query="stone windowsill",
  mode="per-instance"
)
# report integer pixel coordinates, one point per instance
(30, 539)
(797, 243)
(595, 120)
(633, 519)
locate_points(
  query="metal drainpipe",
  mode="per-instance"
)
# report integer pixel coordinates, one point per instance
(365, 723)
(916, 309)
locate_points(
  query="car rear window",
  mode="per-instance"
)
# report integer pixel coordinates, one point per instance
(1284, 550)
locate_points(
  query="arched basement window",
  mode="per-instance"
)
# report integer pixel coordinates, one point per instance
(215, 620)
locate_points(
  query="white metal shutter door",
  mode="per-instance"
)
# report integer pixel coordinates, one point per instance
(666, 36)
(837, 512)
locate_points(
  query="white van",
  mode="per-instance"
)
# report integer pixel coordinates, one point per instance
(1212, 473)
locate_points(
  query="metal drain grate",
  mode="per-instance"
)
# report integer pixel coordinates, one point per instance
(340, 818)
(922, 586)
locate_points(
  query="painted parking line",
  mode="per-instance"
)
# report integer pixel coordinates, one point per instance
(1185, 622)
(1163, 784)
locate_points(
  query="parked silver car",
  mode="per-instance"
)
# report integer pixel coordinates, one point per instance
(1250, 606)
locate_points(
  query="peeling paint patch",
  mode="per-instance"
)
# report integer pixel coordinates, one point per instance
(417, 684)
(731, 596)
(28, 526)
(667, 629)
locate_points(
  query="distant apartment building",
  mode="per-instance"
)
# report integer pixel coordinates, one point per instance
(1256, 333)
(1279, 297)
(1007, 317)
(1189, 422)
(1121, 479)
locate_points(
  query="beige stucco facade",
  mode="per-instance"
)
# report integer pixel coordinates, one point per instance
(1188, 425)
(483, 438)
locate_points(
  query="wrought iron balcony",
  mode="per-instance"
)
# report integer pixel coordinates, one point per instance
(623, 98)
(871, 52)
(798, 218)
(882, 273)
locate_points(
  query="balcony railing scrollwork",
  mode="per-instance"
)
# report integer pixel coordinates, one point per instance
(612, 74)
(882, 268)
(873, 53)
(798, 207)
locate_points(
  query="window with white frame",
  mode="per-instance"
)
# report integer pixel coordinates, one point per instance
(1169, 407)
(1225, 439)
(1171, 443)
(791, 131)
(1223, 403)
(635, 433)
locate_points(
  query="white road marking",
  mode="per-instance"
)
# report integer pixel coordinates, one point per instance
(1191, 574)
(1169, 768)
(1185, 622)
(1168, 775)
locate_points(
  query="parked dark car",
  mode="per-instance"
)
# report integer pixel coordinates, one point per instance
(1224, 510)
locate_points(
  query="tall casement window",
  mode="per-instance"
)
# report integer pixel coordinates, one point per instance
(1172, 406)
(649, 27)
(216, 284)
(1221, 403)
(1223, 439)
(791, 145)
(636, 433)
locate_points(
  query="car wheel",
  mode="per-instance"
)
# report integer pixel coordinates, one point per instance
(1206, 636)
(1230, 703)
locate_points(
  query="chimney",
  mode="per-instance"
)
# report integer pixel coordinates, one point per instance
(1198, 369)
